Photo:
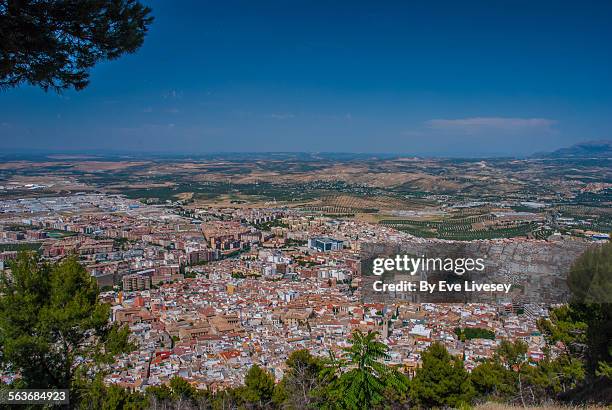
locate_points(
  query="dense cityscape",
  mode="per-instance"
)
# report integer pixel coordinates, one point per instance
(209, 291)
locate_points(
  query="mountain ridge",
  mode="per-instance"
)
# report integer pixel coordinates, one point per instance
(587, 149)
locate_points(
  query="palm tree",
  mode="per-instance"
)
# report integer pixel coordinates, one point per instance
(364, 385)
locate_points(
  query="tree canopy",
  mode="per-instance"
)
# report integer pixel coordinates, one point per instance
(363, 386)
(53, 44)
(590, 281)
(52, 324)
(442, 381)
(304, 381)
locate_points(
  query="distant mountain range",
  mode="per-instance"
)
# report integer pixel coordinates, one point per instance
(590, 149)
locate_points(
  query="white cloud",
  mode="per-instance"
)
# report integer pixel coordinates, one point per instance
(281, 116)
(478, 124)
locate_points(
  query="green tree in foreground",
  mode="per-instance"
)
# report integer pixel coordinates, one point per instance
(179, 394)
(442, 381)
(258, 389)
(95, 395)
(364, 385)
(493, 381)
(590, 281)
(53, 328)
(53, 44)
(583, 329)
(303, 382)
(512, 354)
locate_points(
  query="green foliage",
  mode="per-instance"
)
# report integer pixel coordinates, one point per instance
(590, 281)
(281, 397)
(598, 335)
(512, 354)
(29, 246)
(46, 315)
(266, 226)
(461, 229)
(474, 333)
(95, 395)
(178, 394)
(190, 275)
(52, 44)
(181, 389)
(160, 393)
(564, 330)
(305, 381)
(442, 381)
(604, 370)
(509, 377)
(584, 333)
(583, 330)
(294, 242)
(584, 327)
(117, 342)
(590, 278)
(557, 376)
(363, 385)
(493, 381)
(258, 388)
(50, 319)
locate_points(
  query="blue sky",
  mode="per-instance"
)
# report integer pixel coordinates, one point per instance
(447, 78)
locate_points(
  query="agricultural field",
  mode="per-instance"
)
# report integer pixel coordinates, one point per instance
(28, 246)
(429, 197)
(462, 229)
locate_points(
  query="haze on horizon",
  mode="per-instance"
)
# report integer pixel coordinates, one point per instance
(471, 78)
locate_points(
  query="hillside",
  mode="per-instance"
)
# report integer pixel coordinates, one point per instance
(590, 149)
